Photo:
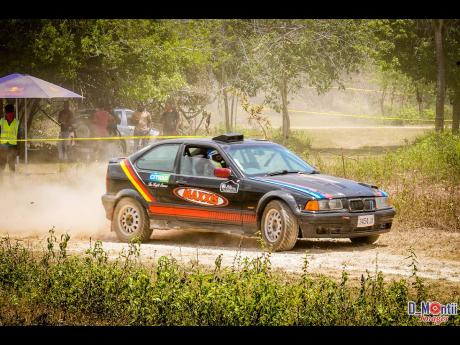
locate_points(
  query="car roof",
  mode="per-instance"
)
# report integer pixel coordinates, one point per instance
(204, 141)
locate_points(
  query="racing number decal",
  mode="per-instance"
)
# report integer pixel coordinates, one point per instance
(200, 196)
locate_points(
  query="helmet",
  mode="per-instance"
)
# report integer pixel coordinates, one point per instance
(211, 153)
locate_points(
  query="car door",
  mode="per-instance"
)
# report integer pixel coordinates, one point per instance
(156, 168)
(196, 195)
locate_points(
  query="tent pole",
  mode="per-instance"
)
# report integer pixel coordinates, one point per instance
(25, 126)
(17, 115)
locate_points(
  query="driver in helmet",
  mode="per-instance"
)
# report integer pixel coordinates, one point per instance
(215, 158)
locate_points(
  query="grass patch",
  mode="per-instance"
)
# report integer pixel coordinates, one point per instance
(51, 288)
(423, 179)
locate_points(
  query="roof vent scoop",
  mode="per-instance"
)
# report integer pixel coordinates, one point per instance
(229, 137)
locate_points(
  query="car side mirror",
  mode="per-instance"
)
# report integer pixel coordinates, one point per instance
(222, 172)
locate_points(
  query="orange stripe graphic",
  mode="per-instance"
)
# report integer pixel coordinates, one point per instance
(137, 183)
(233, 217)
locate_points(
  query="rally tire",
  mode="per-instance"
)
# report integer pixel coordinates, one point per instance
(130, 220)
(279, 226)
(365, 239)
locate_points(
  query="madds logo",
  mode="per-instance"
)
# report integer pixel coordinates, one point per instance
(200, 196)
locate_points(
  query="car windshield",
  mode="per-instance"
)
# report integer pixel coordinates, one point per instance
(255, 160)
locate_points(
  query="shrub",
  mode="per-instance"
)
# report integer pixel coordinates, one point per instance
(55, 288)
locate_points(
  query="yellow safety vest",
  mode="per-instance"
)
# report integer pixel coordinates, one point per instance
(9, 134)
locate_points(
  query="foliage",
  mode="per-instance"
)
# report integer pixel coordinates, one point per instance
(421, 178)
(52, 287)
(288, 54)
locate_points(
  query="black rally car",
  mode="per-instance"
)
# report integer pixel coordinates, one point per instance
(232, 184)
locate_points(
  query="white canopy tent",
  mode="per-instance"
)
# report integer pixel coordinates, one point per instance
(19, 86)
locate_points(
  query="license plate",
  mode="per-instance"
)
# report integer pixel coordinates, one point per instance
(365, 221)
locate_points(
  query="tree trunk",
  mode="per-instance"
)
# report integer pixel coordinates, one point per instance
(224, 93)
(236, 112)
(232, 108)
(456, 111)
(441, 75)
(227, 113)
(418, 95)
(284, 109)
(382, 101)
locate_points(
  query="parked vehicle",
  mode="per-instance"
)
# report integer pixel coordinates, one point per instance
(228, 183)
(112, 148)
(126, 127)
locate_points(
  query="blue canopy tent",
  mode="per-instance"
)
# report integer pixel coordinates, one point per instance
(22, 86)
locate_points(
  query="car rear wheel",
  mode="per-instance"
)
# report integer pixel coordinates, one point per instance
(130, 220)
(366, 239)
(279, 226)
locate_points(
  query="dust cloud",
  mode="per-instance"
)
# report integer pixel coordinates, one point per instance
(42, 196)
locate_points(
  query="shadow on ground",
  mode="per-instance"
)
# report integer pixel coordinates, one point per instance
(230, 241)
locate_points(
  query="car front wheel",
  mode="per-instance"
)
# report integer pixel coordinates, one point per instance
(280, 228)
(130, 220)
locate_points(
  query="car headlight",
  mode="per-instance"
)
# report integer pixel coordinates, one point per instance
(382, 202)
(324, 205)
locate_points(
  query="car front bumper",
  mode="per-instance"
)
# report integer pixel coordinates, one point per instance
(344, 224)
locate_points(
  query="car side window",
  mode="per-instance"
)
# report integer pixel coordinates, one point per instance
(118, 114)
(160, 158)
(200, 161)
(129, 117)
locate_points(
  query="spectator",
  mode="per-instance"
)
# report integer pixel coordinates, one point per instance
(9, 134)
(143, 122)
(170, 120)
(65, 119)
(102, 121)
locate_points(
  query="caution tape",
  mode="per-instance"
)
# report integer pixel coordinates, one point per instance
(113, 138)
(361, 116)
(200, 136)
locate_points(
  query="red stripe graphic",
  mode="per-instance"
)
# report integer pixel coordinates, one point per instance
(232, 217)
(137, 179)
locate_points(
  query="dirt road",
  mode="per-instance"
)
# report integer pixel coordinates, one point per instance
(324, 256)
(70, 201)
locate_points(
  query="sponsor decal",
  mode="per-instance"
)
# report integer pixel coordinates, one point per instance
(434, 312)
(157, 185)
(200, 196)
(159, 177)
(229, 187)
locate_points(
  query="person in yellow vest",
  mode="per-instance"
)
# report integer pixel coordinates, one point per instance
(215, 158)
(9, 134)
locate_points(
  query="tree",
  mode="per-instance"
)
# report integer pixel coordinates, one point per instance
(452, 55)
(287, 54)
(440, 74)
(122, 61)
(426, 51)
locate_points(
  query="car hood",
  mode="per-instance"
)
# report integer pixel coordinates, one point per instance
(321, 186)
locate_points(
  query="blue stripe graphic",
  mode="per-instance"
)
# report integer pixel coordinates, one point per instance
(288, 185)
(383, 193)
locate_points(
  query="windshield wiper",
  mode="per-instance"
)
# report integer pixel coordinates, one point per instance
(283, 172)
